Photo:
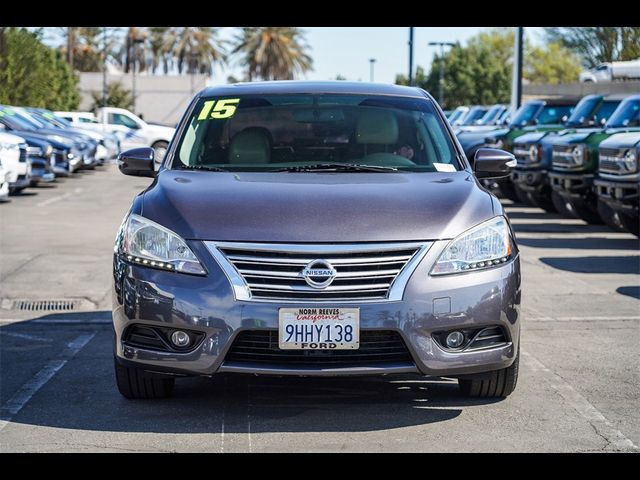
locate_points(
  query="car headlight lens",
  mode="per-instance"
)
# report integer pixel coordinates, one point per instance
(631, 160)
(533, 153)
(578, 154)
(146, 243)
(48, 150)
(484, 246)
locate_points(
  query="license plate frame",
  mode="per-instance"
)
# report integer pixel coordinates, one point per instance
(319, 328)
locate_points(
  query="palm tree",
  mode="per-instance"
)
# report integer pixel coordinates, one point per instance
(160, 42)
(133, 49)
(273, 53)
(196, 49)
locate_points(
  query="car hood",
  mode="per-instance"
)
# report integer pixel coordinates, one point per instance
(576, 137)
(11, 138)
(530, 137)
(55, 143)
(622, 140)
(316, 207)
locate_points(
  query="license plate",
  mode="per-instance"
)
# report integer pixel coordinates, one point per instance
(319, 328)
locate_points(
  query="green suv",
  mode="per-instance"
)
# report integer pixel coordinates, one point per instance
(618, 181)
(575, 160)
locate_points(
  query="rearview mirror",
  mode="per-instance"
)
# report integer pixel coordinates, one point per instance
(493, 163)
(137, 162)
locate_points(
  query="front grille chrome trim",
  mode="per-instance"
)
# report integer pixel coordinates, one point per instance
(387, 284)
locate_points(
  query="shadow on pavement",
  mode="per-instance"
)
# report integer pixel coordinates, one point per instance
(550, 227)
(592, 243)
(614, 264)
(631, 291)
(83, 394)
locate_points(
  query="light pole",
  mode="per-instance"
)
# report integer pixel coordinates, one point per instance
(441, 62)
(410, 56)
(104, 66)
(371, 62)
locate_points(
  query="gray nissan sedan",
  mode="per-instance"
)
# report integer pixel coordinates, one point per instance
(315, 228)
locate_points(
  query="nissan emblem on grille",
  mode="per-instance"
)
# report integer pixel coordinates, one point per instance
(319, 273)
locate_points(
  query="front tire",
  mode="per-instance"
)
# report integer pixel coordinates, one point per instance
(610, 217)
(562, 206)
(499, 383)
(134, 383)
(630, 222)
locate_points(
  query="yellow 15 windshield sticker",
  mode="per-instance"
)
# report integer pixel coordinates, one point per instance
(218, 109)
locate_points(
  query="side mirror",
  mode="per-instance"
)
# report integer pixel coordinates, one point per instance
(564, 119)
(493, 163)
(137, 162)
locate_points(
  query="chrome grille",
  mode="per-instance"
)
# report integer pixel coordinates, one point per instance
(611, 160)
(274, 272)
(563, 157)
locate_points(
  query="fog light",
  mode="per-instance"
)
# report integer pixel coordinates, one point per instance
(454, 339)
(180, 338)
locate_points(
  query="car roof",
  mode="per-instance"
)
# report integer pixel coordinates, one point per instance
(311, 87)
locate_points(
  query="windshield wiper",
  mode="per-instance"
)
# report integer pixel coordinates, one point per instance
(337, 167)
(208, 168)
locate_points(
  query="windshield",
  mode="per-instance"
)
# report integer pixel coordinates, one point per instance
(476, 113)
(605, 110)
(13, 121)
(525, 114)
(626, 115)
(491, 116)
(30, 119)
(268, 133)
(456, 115)
(583, 111)
(553, 114)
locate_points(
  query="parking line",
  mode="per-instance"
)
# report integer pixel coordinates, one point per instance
(596, 419)
(57, 198)
(29, 389)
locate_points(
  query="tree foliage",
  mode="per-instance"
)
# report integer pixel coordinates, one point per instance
(34, 74)
(117, 96)
(596, 45)
(480, 72)
(273, 53)
(552, 65)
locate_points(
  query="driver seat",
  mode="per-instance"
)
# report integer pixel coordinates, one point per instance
(376, 127)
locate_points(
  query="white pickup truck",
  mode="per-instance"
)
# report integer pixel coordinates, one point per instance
(132, 131)
(608, 72)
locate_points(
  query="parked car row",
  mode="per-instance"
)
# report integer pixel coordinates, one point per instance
(38, 145)
(578, 158)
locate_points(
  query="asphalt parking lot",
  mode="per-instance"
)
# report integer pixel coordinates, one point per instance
(578, 389)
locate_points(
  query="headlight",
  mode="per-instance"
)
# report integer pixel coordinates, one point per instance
(631, 160)
(484, 246)
(578, 153)
(533, 152)
(146, 243)
(48, 150)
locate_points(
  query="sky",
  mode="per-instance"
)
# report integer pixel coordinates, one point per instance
(347, 50)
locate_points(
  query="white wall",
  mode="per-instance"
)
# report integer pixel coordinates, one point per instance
(160, 99)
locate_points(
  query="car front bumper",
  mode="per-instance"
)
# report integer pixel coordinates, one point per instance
(530, 180)
(621, 196)
(206, 304)
(572, 185)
